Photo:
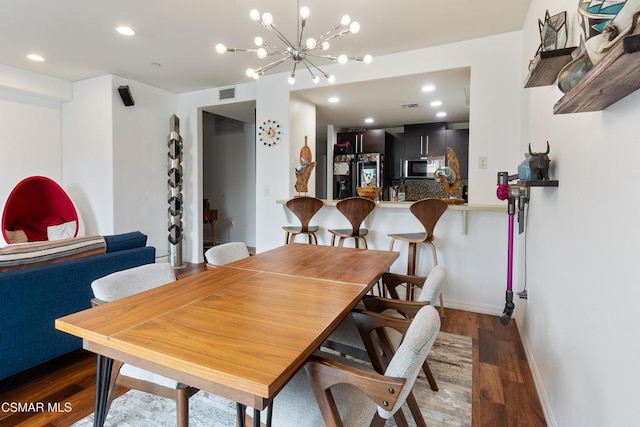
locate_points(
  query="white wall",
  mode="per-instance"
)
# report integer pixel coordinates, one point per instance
(579, 323)
(115, 157)
(140, 160)
(30, 119)
(88, 153)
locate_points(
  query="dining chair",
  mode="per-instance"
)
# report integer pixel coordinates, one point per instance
(355, 209)
(427, 212)
(304, 208)
(430, 287)
(122, 284)
(346, 339)
(226, 253)
(334, 391)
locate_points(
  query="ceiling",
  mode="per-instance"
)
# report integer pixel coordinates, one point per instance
(174, 45)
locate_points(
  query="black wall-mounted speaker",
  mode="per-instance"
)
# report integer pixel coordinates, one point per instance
(125, 94)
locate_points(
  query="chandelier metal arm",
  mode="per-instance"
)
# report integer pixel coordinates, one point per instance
(279, 35)
(327, 37)
(269, 66)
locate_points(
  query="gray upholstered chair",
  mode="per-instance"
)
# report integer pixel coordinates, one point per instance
(346, 338)
(123, 284)
(334, 391)
(226, 253)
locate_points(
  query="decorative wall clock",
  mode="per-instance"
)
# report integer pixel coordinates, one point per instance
(269, 133)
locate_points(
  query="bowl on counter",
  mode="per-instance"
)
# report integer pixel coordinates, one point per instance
(369, 192)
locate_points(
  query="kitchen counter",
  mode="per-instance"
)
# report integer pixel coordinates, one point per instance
(465, 208)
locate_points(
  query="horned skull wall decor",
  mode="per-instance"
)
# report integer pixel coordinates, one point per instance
(539, 164)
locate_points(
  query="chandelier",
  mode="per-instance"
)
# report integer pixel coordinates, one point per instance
(299, 53)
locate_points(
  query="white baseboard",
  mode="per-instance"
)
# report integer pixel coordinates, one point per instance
(544, 401)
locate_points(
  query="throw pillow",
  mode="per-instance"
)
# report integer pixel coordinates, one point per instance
(16, 236)
(62, 231)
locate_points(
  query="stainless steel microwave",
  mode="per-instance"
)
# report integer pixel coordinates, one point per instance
(423, 168)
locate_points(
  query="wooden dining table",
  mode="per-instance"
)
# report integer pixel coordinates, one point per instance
(240, 331)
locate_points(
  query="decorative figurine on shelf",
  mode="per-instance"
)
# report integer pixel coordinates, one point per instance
(539, 164)
(449, 177)
(553, 32)
(303, 172)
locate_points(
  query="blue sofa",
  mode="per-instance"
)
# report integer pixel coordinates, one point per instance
(31, 299)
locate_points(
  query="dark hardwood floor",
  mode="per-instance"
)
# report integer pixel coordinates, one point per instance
(504, 393)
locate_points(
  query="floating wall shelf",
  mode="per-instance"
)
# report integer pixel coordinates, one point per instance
(545, 67)
(538, 183)
(614, 77)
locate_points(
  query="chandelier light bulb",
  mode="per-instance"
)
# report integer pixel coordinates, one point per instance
(220, 48)
(255, 76)
(262, 53)
(325, 45)
(254, 15)
(258, 41)
(331, 78)
(292, 79)
(267, 19)
(250, 72)
(315, 79)
(346, 20)
(311, 43)
(367, 59)
(354, 27)
(304, 12)
(342, 59)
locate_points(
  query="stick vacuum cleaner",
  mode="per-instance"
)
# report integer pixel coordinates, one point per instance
(511, 193)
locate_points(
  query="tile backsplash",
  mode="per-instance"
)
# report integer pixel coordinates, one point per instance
(417, 189)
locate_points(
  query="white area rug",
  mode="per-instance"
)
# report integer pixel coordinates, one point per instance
(450, 361)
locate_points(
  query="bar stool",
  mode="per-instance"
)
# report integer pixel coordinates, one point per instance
(355, 209)
(304, 208)
(428, 212)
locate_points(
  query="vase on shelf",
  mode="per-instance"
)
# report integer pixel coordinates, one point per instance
(524, 169)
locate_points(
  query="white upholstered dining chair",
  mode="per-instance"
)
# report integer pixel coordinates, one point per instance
(123, 284)
(346, 338)
(335, 391)
(226, 253)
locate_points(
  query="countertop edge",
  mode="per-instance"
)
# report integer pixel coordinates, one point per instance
(405, 205)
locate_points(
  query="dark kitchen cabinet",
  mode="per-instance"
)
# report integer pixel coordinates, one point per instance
(394, 154)
(427, 139)
(368, 141)
(458, 140)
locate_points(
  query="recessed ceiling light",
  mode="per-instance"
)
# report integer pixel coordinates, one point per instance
(368, 120)
(126, 31)
(334, 99)
(35, 57)
(441, 114)
(428, 88)
(436, 103)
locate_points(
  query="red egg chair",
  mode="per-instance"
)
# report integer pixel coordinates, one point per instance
(36, 205)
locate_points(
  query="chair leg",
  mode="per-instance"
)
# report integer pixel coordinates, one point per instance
(412, 403)
(357, 243)
(400, 419)
(393, 241)
(182, 407)
(429, 375)
(286, 239)
(333, 239)
(411, 268)
(441, 306)
(364, 242)
(434, 254)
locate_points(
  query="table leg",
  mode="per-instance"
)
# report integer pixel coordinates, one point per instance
(241, 417)
(103, 378)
